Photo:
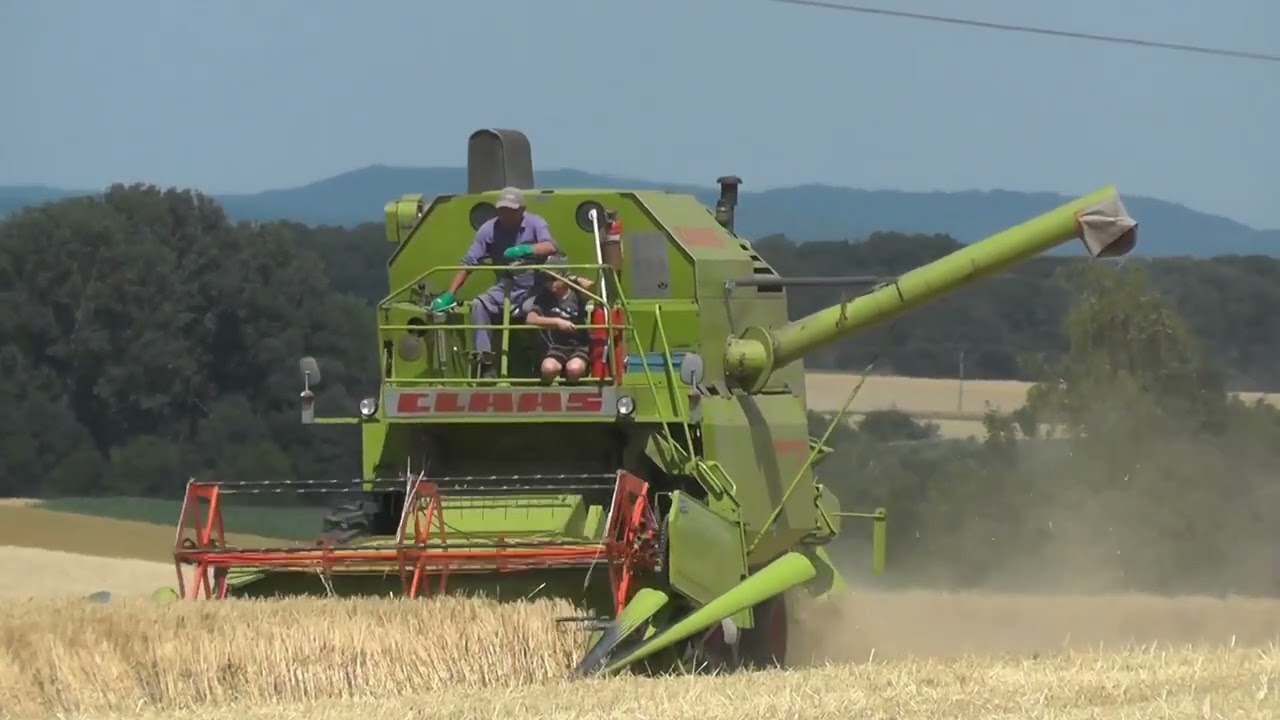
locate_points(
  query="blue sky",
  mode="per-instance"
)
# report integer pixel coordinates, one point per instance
(243, 95)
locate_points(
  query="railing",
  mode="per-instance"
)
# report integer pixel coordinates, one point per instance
(444, 366)
(455, 360)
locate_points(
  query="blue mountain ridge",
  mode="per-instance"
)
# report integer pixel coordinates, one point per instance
(803, 213)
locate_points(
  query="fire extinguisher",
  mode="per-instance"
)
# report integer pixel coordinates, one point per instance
(610, 254)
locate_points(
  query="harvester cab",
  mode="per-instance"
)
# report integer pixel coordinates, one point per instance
(670, 493)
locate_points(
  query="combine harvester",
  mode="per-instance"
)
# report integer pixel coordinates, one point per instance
(670, 493)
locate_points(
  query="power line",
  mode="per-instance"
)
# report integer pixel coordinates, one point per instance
(1245, 54)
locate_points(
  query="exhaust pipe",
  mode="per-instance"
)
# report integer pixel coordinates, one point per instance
(728, 200)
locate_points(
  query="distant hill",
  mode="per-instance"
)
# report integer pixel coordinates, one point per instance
(810, 212)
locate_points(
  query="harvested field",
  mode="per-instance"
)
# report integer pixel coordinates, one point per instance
(29, 524)
(827, 391)
(34, 573)
(36, 527)
(935, 656)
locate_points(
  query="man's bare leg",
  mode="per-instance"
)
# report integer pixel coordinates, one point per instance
(550, 370)
(575, 369)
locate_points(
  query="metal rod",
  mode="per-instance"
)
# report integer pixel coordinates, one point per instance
(586, 546)
(224, 484)
(522, 483)
(833, 281)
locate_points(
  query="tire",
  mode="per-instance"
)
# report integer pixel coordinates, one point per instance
(349, 521)
(765, 645)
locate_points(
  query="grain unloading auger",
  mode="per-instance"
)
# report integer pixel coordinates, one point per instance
(670, 493)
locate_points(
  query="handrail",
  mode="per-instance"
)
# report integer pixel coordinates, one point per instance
(530, 381)
(713, 468)
(669, 364)
(648, 374)
(391, 297)
(468, 326)
(709, 480)
(504, 326)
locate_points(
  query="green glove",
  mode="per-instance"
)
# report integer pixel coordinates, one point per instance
(443, 302)
(518, 251)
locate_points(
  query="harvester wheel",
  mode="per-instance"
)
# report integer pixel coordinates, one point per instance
(765, 645)
(349, 521)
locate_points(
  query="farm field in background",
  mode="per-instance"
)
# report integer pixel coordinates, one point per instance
(955, 406)
(138, 528)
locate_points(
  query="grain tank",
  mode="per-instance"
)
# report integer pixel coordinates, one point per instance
(671, 492)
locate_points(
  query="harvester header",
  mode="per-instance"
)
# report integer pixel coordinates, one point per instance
(596, 394)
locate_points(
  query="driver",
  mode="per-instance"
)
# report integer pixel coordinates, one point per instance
(513, 235)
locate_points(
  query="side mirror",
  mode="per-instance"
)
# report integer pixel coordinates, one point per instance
(310, 371)
(691, 369)
(310, 375)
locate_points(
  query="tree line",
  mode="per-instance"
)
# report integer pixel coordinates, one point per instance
(146, 338)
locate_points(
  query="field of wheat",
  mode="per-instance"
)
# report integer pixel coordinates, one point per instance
(901, 655)
(944, 397)
(955, 406)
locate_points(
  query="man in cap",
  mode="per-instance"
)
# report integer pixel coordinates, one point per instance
(559, 309)
(513, 235)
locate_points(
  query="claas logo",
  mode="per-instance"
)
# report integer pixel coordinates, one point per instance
(499, 401)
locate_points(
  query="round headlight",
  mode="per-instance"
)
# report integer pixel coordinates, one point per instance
(626, 405)
(368, 407)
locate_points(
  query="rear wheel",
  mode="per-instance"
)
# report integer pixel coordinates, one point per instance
(765, 645)
(348, 521)
(371, 514)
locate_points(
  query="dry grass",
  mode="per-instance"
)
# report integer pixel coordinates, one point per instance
(82, 658)
(471, 659)
(1136, 685)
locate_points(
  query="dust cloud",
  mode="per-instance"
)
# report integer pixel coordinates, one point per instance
(1108, 561)
(1071, 593)
(863, 626)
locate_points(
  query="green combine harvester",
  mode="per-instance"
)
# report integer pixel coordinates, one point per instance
(669, 492)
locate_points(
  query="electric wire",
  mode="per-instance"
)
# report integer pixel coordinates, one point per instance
(1243, 54)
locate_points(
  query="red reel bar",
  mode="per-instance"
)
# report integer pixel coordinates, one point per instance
(420, 551)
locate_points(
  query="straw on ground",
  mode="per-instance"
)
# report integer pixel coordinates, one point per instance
(462, 658)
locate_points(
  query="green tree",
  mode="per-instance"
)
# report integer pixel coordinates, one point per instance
(136, 320)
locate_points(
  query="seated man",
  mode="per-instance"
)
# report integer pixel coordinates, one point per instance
(557, 308)
(513, 235)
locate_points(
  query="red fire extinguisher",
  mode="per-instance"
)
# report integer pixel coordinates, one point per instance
(610, 254)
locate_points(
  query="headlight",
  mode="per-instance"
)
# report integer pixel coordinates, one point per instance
(626, 405)
(368, 407)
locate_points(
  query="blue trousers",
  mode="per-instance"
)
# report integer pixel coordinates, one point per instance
(487, 310)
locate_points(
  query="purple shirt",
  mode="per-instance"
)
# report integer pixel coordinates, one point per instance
(492, 240)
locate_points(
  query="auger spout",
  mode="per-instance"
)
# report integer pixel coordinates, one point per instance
(1098, 219)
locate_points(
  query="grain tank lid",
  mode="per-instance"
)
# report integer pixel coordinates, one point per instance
(1106, 228)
